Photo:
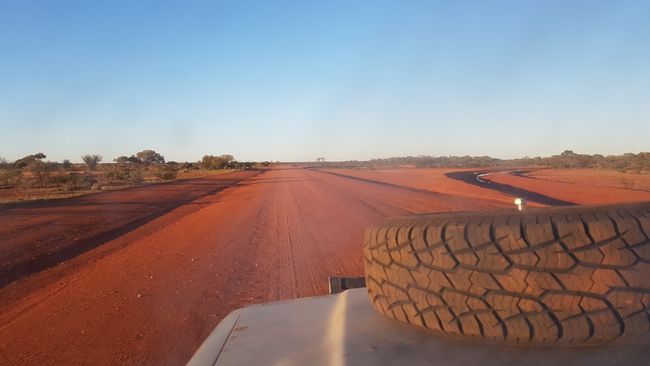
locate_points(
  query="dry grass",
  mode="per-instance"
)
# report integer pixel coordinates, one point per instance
(10, 195)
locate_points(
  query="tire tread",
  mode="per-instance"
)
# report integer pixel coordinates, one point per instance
(580, 276)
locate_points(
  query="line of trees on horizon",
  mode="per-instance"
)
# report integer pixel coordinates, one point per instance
(568, 159)
(33, 171)
(144, 157)
(639, 162)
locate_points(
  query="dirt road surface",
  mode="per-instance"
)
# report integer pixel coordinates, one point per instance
(483, 180)
(38, 235)
(586, 192)
(157, 294)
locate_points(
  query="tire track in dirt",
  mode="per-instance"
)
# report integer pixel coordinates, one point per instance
(474, 179)
(404, 198)
(50, 242)
(387, 184)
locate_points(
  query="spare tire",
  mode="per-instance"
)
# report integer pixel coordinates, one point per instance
(558, 275)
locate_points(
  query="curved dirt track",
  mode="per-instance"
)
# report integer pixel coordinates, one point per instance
(588, 192)
(480, 179)
(156, 296)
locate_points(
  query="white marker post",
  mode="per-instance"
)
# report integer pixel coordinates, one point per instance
(520, 203)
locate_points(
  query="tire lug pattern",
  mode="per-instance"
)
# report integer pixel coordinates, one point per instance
(561, 275)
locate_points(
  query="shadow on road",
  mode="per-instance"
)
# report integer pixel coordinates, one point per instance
(473, 179)
(127, 215)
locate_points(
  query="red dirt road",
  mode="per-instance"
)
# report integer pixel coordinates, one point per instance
(37, 235)
(155, 296)
(430, 179)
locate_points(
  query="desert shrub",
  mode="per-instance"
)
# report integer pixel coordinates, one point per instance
(73, 181)
(66, 164)
(39, 169)
(116, 172)
(216, 162)
(121, 159)
(86, 181)
(127, 159)
(190, 166)
(142, 157)
(242, 165)
(52, 165)
(166, 172)
(125, 173)
(58, 180)
(135, 176)
(4, 164)
(10, 177)
(91, 161)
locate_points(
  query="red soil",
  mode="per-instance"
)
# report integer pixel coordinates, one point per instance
(150, 293)
(598, 177)
(582, 187)
(158, 294)
(40, 233)
(430, 179)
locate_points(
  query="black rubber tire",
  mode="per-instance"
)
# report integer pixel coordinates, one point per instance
(570, 275)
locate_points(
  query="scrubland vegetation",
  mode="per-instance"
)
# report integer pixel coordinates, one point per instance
(34, 177)
(637, 163)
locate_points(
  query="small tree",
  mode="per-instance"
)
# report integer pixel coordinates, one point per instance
(150, 157)
(129, 159)
(27, 160)
(38, 168)
(134, 160)
(66, 164)
(568, 153)
(91, 160)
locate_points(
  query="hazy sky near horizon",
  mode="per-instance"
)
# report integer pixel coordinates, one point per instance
(296, 80)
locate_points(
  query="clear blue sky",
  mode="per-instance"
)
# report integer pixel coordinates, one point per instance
(295, 80)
